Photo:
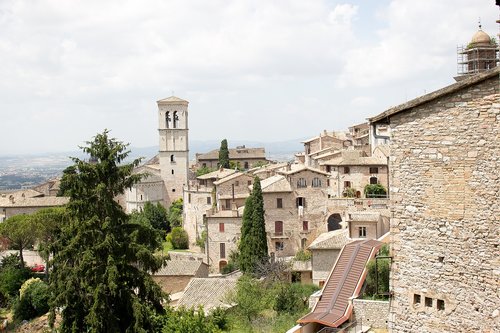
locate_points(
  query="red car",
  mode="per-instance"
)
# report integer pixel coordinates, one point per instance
(38, 268)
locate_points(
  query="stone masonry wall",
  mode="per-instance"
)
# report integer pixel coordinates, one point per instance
(371, 313)
(445, 157)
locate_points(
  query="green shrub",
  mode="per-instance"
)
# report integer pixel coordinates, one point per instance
(383, 266)
(349, 192)
(204, 170)
(218, 316)
(179, 239)
(33, 301)
(303, 255)
(375, 191)
(12, 276)
(182, 320)
(202, 240)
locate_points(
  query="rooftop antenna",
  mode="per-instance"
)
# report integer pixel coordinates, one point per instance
(479, 22)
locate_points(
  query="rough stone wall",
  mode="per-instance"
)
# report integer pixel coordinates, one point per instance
(359, 176)
(371, 313)
(141, 193)
(241, 190)
(230, 237)
(172, 284)
(196, 204)
(322, 264)
(371, 229)
(445, 228)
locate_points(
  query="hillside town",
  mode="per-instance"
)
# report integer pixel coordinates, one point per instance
(414, 187)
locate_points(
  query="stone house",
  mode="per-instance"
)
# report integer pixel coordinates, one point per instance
(318, 144)
(27, 202)
(325, 250)
(245, 157)
(176, 274)
(352, 170)
(50, 188)
(151, 188)
(232, 191)
(368, 224)
(223, 234)
(445, 207)
(360, 135)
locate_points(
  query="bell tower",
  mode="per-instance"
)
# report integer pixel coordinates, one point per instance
(174, 147)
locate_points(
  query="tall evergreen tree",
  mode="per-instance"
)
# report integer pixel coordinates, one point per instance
(253, 243)
(100, 278)
(224, 154)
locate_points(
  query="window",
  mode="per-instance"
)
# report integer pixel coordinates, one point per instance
(417, 299)
(204, 165)
(373, 180)
(249, 182)
(301, 202)
(301, 182)
(172, 159)
(440, 305)
(316, 182)
(237, 183)
(328, 182)
(303, 243)
(278, 228)
(141, 197)
(279, 246)
(189, 197)
(222, 250)
(279, 203)
(305, 225)
(228, 204)
(328, 168)
(347, 184)
(246, 165)
(209, 200)
(347, 170)
(173, 190)
(428, 302)
(172, 171)
(362, 232)
(176, 119)
(167, 119)
(221, 227)
(373, 170)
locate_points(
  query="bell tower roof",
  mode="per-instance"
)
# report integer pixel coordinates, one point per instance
(172, 100)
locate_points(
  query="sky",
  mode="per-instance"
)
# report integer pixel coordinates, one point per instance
(256, 70)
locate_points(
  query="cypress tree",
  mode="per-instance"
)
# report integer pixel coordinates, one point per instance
(253, 244)
(224, 154)
(102, 260)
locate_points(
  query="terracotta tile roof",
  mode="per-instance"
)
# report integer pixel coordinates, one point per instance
(208, 292)
(235, 154)
(33, 202)
(331, 240)
(217, 174)
(231, 177)
(277, 183)
(180, 267)
(472, 80)
(355, 157)
(364, 216)
(27, 193)
(345, 281)
(302, 167)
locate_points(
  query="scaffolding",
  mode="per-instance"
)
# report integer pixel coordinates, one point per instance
(474, 59)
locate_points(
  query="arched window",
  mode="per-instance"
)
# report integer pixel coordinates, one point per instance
(172, 158)
(167, 119)
(373, 180)
(316, 182)
(301, 182)
(176, 119)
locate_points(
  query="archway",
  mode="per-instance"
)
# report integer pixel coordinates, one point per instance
(334, 222)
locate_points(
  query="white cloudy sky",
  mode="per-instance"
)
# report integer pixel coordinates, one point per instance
(256, 69)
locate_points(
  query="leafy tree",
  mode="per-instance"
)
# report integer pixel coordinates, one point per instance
(33, 300)
(63, 186)
(380, 273)
(12, 276)
(223, 154)
(375, 191)
(20, 231)
(184, 320)
(179, 239)
(235, 165)
(253, 244)
(175, 213)
(204, 170)
(157, 216)
(101, 277)
(250, 297)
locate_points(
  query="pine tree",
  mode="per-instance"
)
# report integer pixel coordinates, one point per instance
(253, 244)
(100, 278)
(224, 155)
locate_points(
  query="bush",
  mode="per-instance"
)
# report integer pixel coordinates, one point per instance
(303, 255)
(218, 316)
(179, 238)
(202, 240)
(375, 191)
(382, 275)
(12, 276)
(33, 301)
(292, 297)
(204, 170)
(349, 192)
(184, 320)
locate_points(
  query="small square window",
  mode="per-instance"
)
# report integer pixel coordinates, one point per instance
(249, 182)
(428, 302)
(417, 299)
(373, 170)
(347, 170)
(279, 246)
(362, 232)
(440, 305)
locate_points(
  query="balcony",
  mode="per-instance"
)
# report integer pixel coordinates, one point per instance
(280, 235)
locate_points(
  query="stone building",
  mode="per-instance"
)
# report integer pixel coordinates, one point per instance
(445, 207)
(243, 156)
(325, 141)
(232, 191)
(150, 189)
(27, 202)
(176, 274)
(368, 224)
(481, 54)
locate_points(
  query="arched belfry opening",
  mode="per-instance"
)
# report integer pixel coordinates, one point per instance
(176, 119)
(334, 222)
(167, 119)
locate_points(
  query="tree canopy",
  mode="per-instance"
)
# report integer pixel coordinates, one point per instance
(20, 231)
(253, 245)
(224, 154)
(102, 262)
